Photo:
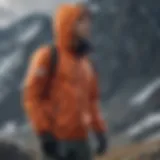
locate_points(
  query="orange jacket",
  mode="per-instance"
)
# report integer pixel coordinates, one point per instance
(68, 105)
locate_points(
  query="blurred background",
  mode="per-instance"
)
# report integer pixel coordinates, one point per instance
(126, 35)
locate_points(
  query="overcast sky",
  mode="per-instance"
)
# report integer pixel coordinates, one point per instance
(10, 10)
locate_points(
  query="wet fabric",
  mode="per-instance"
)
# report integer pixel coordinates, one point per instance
(66, 104)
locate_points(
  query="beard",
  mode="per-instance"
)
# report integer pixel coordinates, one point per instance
(83, 47)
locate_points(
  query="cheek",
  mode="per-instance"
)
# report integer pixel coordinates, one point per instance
(84, 29)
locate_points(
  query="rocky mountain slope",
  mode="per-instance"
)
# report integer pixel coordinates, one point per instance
(126, 35)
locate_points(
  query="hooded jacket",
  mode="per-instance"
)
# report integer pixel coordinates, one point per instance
(66, 104)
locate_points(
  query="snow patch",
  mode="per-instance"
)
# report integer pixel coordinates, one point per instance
(148, 122)
(31, 31)
(141, 97)
(8, 65)
(8, 129)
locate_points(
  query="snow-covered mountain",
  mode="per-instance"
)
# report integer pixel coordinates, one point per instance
(126, 38)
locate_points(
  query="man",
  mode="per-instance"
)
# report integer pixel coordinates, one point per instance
(64, 106)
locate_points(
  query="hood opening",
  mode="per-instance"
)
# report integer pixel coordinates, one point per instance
(65, 20)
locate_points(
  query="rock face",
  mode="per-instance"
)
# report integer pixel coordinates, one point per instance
(19, 42)
(126, 35)
(9, 151)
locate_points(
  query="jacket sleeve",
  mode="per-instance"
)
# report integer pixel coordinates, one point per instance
(98, 124)
(34, 85)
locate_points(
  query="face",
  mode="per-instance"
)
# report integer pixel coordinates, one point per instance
(83, 27)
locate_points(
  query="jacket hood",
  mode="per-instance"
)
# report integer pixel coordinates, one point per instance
(66, 17)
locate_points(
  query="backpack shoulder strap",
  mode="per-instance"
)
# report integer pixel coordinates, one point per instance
(54, 60)
(52, 72)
